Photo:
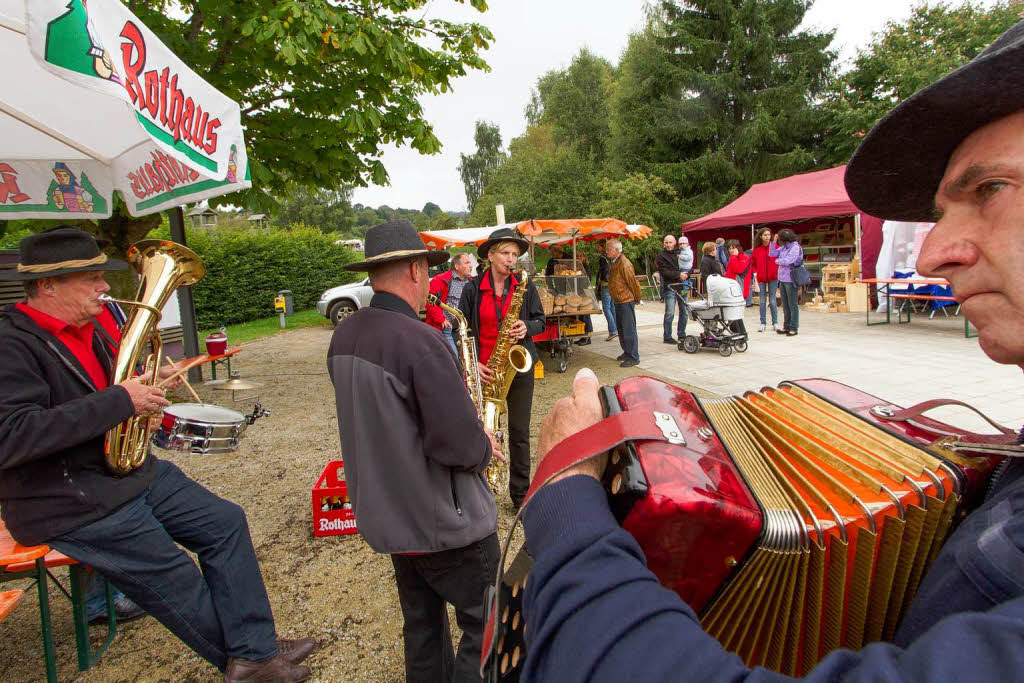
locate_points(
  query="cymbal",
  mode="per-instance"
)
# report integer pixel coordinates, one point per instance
(234, 384)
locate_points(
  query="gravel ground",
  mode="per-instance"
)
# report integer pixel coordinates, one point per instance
(333, 588)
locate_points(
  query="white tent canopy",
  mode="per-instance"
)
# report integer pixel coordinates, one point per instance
(92, 102)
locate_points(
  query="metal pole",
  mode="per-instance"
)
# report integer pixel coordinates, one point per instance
(189, 333)
(856, 244)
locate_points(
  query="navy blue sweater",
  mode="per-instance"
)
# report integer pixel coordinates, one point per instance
(594, 612)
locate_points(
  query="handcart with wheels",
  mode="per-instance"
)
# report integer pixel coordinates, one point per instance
(566, 299)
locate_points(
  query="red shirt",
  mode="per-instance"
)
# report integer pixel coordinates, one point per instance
(78, 339)
(488, 315)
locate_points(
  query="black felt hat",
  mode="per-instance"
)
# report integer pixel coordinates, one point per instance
(59, 251)
(394, 241)
(502, 235)
(897, 169)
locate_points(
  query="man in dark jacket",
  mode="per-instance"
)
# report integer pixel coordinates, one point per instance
(485, 301)
(667, 264)
(957, 146)
(604, 268)
(415, 453)
(56, 405)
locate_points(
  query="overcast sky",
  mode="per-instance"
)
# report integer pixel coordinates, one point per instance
(533, 37)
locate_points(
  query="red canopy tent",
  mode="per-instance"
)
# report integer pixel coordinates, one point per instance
(795, 201)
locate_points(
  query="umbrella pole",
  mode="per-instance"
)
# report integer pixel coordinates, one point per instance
(190, 336)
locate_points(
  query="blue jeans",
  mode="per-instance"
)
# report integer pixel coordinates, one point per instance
(671, 302)
(447, 334)
(790, 309)
(625, 319)
(221, 611)
(96, 597)
(768, 290)
(609, 311)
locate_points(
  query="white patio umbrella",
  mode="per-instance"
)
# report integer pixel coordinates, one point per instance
(92, 102)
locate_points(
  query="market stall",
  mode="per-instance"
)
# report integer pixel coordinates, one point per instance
(567, 295)
(832, 230)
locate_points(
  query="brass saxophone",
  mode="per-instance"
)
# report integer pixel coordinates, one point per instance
(467, 350)
(506, 361)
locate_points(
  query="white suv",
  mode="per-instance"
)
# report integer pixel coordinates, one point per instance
(338, 303)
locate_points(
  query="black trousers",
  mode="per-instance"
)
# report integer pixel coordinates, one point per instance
(425, 583)
(520, 403)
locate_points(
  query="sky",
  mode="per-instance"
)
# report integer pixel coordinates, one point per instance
(532, 37)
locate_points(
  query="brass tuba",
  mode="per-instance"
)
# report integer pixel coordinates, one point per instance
(163, 266)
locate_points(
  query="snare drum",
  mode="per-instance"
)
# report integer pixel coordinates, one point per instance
(200, 428)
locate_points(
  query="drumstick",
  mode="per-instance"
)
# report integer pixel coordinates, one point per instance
(185, 382)
(197, 360)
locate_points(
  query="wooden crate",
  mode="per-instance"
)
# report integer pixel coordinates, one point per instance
(857, 297)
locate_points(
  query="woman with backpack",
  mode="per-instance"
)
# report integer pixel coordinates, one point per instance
(788, 255)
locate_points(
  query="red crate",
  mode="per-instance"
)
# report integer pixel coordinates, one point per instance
(329, 492)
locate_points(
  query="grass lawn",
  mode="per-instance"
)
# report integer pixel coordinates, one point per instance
(265, 327)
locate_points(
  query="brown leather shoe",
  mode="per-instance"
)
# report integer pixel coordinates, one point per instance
(296, 650)
(276, 670)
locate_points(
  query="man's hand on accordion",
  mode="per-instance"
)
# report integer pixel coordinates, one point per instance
(573, 414)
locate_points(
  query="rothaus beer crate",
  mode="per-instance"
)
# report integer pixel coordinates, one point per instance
(332, 509)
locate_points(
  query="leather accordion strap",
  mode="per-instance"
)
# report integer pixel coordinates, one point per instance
(631, 425)
(1006, 436)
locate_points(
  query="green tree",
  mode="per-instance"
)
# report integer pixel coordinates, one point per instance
(642, 200)
(478, 168)
(324, 85)
(540, 179)
(329, 210)
(904, 58)
(730, 101)
(575, 103)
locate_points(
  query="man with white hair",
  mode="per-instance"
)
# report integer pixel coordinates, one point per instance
(625, 292)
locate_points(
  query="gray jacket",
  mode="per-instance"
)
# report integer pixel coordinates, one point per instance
(413, 447)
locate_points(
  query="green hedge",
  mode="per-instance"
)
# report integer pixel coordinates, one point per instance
(245, 269)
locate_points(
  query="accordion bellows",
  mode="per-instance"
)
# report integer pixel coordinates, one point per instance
(791, 525)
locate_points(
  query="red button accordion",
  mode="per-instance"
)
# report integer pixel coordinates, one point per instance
(794, 520)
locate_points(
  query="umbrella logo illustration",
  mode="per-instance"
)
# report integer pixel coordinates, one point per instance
(67, 194)
(73, 43)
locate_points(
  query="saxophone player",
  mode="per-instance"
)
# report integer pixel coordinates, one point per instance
(56, 404)
(415, 453)
(485, 302)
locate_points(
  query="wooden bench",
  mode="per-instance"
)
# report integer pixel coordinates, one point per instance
(908, 298)
(35, 562)
(9, 602)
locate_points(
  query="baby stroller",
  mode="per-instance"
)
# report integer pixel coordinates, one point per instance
(720, 315)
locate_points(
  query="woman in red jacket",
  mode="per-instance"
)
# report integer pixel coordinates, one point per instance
(739, 266)
(767, 272)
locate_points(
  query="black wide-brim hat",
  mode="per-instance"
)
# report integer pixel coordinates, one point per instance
(502, 235)
(395, 241)
(59, 251)
(896, 170)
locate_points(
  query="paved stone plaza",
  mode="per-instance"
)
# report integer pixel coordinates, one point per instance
(904, 364)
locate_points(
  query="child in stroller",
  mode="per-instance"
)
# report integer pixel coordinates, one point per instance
(720, 315)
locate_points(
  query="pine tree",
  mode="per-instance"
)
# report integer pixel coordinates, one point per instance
(737, 102)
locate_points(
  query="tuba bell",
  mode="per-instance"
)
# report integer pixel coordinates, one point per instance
(163, 266)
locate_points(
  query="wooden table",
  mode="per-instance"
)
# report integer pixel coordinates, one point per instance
(884, 284)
